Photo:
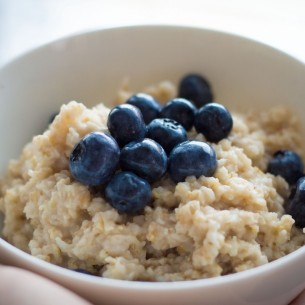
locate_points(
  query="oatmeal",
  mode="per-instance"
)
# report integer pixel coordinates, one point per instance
(199, 228)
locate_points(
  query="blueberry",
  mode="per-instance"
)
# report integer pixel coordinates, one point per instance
(94, 159)
(287, 164)
(149, 106)
(214, 121)
(52, 117)
(196, 88)
(180, 110)
(168, 133)
(128, 193)
(296, 204)
(126, 124)
(192, 158)
(145, 158)
(83, 271)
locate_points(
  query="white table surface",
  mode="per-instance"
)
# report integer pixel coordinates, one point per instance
(25, 24)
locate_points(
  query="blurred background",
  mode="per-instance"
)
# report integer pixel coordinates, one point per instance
(25, 24)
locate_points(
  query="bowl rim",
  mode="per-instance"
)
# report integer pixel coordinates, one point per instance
(161, 26)
(142, 285)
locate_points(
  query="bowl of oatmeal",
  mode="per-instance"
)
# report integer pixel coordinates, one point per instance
(234, 229)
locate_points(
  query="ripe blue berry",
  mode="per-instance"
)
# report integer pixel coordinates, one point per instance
(180, 110)
(296, 204)
(94, 159)
(195, 88)
(168, 133)
(149, 106)
(214, 121)
(192, 158)
(287, 164)
(52, 117)
(128, 193)
(83, 271)
(145, 158)
(126, 124)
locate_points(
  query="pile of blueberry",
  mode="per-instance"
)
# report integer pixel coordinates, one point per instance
(147, 140)
(289, 165)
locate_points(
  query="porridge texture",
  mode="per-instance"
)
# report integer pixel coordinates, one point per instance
(198, 228)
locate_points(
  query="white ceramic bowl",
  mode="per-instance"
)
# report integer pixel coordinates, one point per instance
(89, 68)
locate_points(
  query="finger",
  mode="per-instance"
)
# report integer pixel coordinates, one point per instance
(300, 300)
(18, 286)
